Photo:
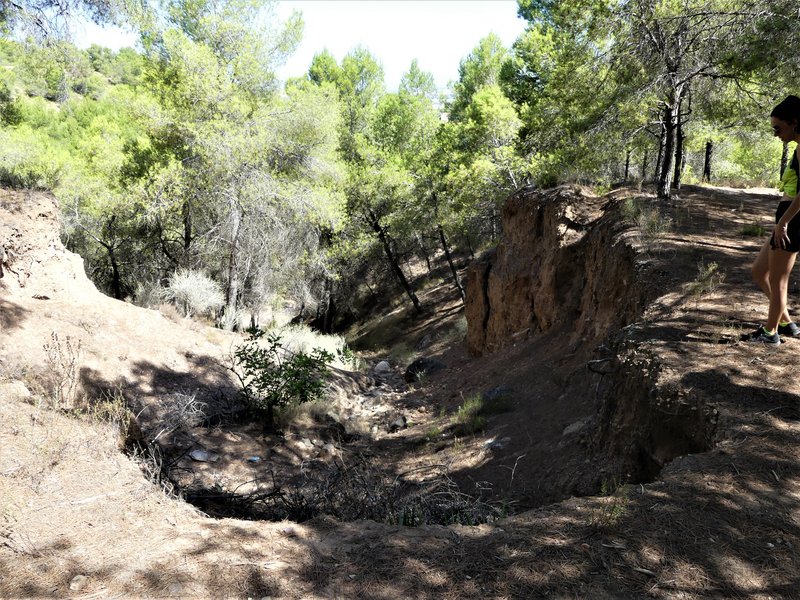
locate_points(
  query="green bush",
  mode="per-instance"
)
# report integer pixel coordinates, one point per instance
(27, 161)
(272, 376)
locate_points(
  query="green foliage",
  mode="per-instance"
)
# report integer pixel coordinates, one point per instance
(271, 377)
(709, 278)
(469, 416)
(753, 229)
(28, 161)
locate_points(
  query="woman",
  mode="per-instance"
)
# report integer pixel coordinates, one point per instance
(776, 258)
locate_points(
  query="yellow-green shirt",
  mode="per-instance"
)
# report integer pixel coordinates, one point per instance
(788, 183)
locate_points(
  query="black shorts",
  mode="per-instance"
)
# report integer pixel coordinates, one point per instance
(793, 230)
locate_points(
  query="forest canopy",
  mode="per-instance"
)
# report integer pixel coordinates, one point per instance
(185, 163)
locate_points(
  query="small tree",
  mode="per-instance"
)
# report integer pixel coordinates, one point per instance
(272, 376)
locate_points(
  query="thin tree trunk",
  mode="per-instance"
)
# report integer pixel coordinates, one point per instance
(660, 156)
(707, 161)
(424, 251)
(453, 269)
(187, 225)
(116, 279)
(644, 165)
(398, 272)
(680, 158)
(232, 295)
(627, 164)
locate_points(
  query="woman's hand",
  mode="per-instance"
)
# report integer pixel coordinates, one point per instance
(781, 235)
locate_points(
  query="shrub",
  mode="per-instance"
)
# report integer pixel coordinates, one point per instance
(753, 229)
(63, 370)
(301, 338)
(194, 292)
(271, 375)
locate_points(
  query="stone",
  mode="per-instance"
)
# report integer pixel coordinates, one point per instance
(399, 423)
(78, 582)
(383, 367)
(425, 342)
(501, 392)
(575, 427)
(175, 588)
(422, 367)
(14, 390)
(200, 455)
(329, 450)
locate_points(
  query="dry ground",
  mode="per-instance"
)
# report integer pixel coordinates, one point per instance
(724, 523)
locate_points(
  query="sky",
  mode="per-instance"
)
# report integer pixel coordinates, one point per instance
(438, 33)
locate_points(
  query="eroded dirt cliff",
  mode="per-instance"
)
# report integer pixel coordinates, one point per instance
(564, 262)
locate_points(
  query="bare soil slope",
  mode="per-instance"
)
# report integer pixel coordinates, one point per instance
(77, 519)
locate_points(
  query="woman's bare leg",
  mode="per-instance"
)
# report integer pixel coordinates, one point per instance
(780, 267)
(760, 272)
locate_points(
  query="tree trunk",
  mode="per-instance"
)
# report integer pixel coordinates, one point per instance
(116, 280)
(186, 213)
(668, 167)
(784, 158)
(232, 294)
(680, 158)
(660, 156)
(644, 165)
(425, 253)
(453, 269)
(627, 165)
(707, 161)
(398, 272)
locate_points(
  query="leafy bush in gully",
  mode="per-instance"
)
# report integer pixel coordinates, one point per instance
(272, 376)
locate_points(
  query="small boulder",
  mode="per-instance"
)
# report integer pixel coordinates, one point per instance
(382, 367)
(200, 455)
(422, 367)
(15, 390)
(77, 583)
(399, 423)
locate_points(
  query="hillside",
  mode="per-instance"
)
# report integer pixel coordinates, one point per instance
(611, 354)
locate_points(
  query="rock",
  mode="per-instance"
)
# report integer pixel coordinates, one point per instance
(399, 423)
(78, 582)
(382, 367)
(329, 450)
(14, 390)
(203, 456)
(175, 588)
(422, 367)
(425, 342)
(575, 427)
(495, 444)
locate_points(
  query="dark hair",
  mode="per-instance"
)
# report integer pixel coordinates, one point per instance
(788, 110)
